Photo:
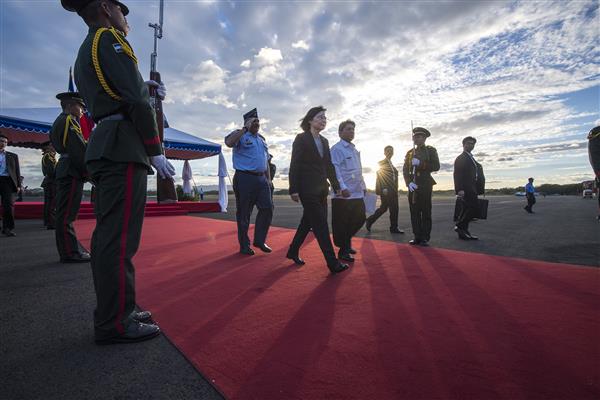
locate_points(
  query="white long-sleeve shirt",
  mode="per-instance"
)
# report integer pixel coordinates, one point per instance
(348, 169)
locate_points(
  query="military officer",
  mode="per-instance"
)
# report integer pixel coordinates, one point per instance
(251, 182)
(48, 184)
(67, 139)
(594, 155)
(419, 163)
(120, 153)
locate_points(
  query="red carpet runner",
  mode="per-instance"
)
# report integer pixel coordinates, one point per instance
(403, 323)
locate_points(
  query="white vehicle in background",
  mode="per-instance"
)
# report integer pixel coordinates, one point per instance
(588, 189)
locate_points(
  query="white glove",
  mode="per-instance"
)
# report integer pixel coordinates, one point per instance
(163, 167)
(416, 162)
(412, 187)
(161, 89)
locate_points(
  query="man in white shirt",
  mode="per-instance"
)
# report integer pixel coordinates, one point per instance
(348, 207)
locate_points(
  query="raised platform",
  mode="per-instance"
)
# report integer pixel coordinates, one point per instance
(35, 209)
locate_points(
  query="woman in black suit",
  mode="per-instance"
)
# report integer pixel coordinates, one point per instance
(310, 169)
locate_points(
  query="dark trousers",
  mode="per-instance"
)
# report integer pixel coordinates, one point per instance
(251, 190)
(387, 201)
(50, 204)
(68, 200)
(347, 217)
(119, 209)
(419, 202)
(314, 216)
(468, 210)
(7, 193)
(530, 202)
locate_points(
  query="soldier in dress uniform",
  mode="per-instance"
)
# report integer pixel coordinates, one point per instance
(419, 163)
(67, 139)
(251, 182)
(48, 184)
(120, 153)
(594, 154)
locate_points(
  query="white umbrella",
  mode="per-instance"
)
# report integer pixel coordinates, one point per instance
(187, 177)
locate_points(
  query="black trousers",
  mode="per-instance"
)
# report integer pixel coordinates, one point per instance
(7, 193)
(314, 216)
(50, 204)
(419, 202)
(530, 202)
(468, 210)
(251, 190)
(119, 209)
(387, 201)
(68, 200)
(347, 217)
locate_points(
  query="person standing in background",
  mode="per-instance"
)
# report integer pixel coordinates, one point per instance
(530, 195)
(347, 207)
(10, 184)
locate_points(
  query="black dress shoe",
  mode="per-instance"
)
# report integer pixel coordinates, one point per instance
(337, 268)
(424, 243)
(78, 258)
(462, 234)
(471, 237)
(295, 258)
(414, 242)
(396, 230)
(135, 332)
(9, 233)
(345, 257)
(247, 250)
(352, 251)
(142, 316)
(263, 247)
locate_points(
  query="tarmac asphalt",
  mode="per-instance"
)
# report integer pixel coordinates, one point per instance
(46, 341)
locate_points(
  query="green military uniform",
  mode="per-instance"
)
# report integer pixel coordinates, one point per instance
(68, 141)
(420, 200)
(49, 185)
(117, 159)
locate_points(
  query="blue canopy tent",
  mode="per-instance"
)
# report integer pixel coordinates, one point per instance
(30, 128)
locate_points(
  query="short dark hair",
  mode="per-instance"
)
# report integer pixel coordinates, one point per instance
(530, 179)
(3, 136)
(305, 122)
(469, 139)
(388, 147)
(344, 123)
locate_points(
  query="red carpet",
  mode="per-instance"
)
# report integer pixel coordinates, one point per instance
(35, 209)
(403, 323)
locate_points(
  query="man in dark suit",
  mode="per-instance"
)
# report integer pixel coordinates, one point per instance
(469, 182)
(386, 187)
(310, 169)
(10, 184)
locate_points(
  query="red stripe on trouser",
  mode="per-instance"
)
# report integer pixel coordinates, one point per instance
(123, 247)
(65, 222)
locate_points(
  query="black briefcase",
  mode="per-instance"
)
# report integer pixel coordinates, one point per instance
(482, 208)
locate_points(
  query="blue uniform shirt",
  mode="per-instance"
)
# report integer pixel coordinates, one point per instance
(529, 188)
(250, 153)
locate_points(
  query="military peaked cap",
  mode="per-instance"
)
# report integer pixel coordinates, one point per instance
(78, 5)
(72, 96)
(250, 114)
(595, 132)
(420, 131)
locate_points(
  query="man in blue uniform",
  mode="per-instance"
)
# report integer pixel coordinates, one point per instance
(251, 182)
(530, 194)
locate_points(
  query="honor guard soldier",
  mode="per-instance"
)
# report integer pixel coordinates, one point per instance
(49, 184)
(120, 153)
(419, 163)
(594, 154)
(67, 139)
(251, 182)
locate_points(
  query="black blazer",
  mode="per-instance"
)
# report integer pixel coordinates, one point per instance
(14, 172)
(387, 178)
(309, 171)
(468, 176)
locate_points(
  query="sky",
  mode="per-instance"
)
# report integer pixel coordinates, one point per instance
(520, 76)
